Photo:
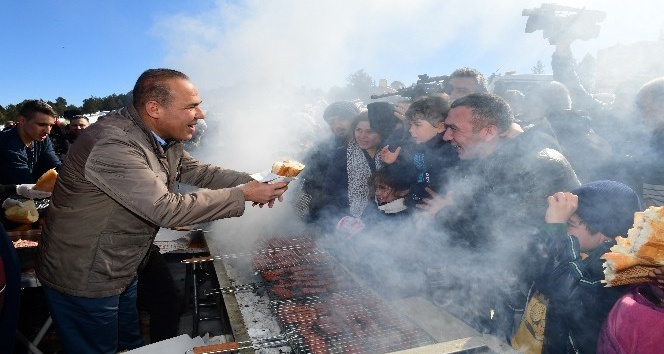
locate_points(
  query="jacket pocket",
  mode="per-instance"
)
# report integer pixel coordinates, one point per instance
(118, 256)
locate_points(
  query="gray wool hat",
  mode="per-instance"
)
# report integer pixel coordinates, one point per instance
(343, 109)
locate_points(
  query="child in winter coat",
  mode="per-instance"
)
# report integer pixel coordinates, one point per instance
(581, 225)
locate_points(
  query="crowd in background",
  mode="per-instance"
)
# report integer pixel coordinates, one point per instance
(452, 194)
(491, 202)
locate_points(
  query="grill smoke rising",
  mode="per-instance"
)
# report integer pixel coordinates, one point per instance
(251, 61)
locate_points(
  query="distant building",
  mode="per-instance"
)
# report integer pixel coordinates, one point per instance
(633, 64)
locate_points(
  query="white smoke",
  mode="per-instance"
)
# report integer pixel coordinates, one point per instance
(252, 60)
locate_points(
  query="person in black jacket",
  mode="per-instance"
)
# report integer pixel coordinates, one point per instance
(565, 262)
(26, 151)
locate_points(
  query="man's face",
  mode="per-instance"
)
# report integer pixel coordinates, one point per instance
(37, 128)
(340, 127)
(178, 120)
(422, 131)
(650, 110)
(462, 86)
(577, 228)
(76, 126)
(459, 132)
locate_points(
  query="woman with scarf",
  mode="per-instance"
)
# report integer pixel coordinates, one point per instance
(347, 191)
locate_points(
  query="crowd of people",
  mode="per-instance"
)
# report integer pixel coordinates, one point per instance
(488, 203)
(496, 203)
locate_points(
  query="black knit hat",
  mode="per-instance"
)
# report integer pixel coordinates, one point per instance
(381, 118)
(342, 109)
(607, 206)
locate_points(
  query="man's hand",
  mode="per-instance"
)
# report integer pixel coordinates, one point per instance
(28, 191)
(658, 276)
(562, 206)
(435, 203)
(264, 193)
(8, 203)
(388, 156)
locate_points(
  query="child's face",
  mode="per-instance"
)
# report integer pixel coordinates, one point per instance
(577, 228)
(385, 194)
(422, 131)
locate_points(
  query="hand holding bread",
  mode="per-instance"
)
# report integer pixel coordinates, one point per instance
(29, 191)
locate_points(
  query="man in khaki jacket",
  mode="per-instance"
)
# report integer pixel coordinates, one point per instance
(116, 189)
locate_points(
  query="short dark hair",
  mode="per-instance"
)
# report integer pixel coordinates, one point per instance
(362, 116)
(432, 108)
(482, 86)
(79, 117)
(30, 107)
(488, 109)
(152, 86)
(395, 176)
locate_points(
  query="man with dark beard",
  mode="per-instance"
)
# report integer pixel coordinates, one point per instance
(338, 115)
(493, 206)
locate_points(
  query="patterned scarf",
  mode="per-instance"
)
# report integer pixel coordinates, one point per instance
(359, 174)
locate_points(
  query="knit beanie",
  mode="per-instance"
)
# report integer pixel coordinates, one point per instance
(342, 109)
(607, 206)
(381, 118)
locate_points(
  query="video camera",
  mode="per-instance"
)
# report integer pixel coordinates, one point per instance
(425, 85)
(563, 22)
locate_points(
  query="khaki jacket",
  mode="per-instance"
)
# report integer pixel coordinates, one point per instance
(117, 187)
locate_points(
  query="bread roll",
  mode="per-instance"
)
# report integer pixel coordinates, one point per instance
(642, 250)
(26, 214)
(287, 168)
(46, 182)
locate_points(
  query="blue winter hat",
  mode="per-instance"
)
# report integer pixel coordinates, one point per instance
(607, 206)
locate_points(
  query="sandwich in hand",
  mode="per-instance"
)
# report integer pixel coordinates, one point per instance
(634, 256)
(287, 168)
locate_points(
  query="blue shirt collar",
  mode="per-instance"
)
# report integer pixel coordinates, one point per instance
(161, 141)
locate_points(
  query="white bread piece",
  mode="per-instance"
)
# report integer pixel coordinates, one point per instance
(26, 214)
(287, 168)
(641, 251)
(648, 240)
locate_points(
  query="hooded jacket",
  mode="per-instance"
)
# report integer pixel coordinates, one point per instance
(116, 189)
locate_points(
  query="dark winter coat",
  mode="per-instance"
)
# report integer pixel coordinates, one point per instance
(578, 300)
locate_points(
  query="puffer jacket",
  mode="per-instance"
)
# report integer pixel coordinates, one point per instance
(116, 189)
(578, 301)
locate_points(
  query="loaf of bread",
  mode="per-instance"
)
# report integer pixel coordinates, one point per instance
(46, 182)
(25, 214)
(634, 256)
(287, 168)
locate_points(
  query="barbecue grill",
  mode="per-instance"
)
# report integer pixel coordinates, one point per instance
(289, 294)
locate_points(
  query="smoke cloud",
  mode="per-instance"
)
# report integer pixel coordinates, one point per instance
(257, 64)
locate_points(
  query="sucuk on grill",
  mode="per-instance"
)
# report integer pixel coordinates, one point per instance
(324, 307)
(305, 280)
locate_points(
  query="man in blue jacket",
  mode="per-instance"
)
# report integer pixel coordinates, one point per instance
(26, 151)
